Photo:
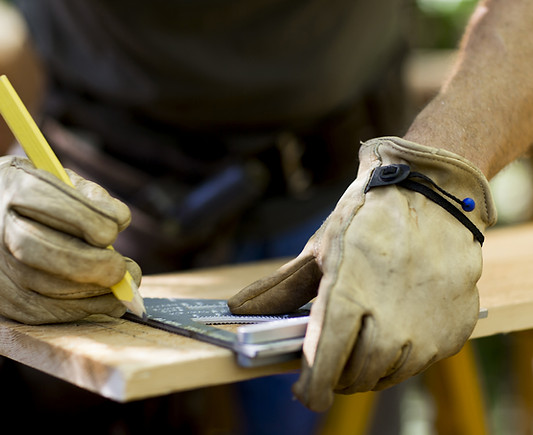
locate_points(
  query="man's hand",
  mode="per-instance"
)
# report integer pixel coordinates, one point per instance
(394, 273)
(54, 265)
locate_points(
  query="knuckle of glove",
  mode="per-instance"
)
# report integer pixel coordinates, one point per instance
(89, 213)
(113, 207)
(30, 307)
(39, 247)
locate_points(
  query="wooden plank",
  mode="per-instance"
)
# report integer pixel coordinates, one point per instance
(506, 285)
(126, 361)
(122, 360)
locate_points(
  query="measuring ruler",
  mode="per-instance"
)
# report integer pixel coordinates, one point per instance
(261, 340)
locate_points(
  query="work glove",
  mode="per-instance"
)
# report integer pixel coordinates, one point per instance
(393, 269)
(53, 263)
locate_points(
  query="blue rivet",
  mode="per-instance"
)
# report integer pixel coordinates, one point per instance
(468, 204)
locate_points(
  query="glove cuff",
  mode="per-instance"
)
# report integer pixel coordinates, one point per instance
(449, 171)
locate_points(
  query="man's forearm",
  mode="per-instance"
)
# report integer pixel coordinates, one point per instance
(484, 112)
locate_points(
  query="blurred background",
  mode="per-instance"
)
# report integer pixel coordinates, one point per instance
(435, 29)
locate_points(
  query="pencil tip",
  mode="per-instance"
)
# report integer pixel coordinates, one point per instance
(136, 305)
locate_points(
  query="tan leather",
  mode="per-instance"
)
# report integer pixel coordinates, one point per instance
(394, 274)
(54, 265)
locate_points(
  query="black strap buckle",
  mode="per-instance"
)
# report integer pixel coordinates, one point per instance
(387, 175)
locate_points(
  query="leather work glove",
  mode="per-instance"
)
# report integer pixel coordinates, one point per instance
(394, 272)
(53, 263)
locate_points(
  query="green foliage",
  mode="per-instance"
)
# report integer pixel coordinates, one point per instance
(440, 23)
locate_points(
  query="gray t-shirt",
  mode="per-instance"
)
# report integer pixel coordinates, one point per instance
(214, 63)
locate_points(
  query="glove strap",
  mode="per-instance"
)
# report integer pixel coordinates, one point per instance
(401, 175)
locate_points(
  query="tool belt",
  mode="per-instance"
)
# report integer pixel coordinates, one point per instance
(191, 193)
(177, 213)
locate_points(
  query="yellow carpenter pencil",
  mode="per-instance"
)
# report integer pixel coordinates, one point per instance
(40, 153)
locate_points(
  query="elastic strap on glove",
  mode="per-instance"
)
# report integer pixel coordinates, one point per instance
(401, 175)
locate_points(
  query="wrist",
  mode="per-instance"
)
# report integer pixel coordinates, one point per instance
(451, 172)
(450, 135)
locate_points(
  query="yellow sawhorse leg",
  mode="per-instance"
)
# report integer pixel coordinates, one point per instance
(456, 388)
(522, 367)
(453, 383)
(350, 415)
